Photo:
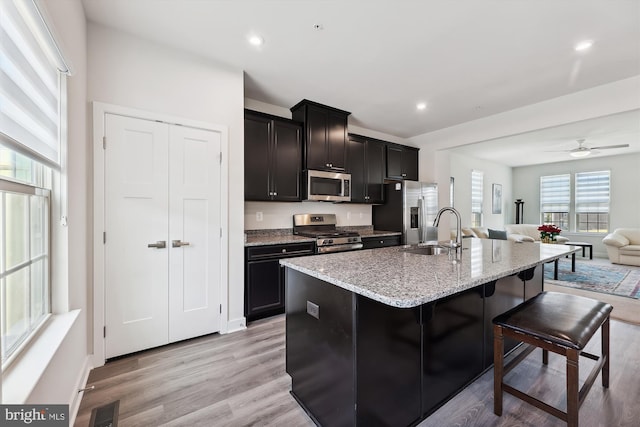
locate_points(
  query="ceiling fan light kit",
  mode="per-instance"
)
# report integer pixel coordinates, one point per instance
(580, 153)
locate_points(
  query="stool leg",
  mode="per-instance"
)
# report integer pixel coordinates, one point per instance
(605, 353)
(498, 360)
(572, 388)
(545, 356)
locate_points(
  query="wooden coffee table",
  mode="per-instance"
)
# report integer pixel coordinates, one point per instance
(583, 245)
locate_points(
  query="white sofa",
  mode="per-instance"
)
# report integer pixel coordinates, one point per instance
(527, 233)
(623, 246)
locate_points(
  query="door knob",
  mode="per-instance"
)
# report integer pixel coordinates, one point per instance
(179, 243)
(160, 244)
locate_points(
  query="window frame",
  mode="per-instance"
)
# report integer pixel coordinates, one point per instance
(477, 199)
(556, 199)
(583, 207)
(12, 187)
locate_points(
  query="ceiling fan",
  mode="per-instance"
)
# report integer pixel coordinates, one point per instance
(582, 151)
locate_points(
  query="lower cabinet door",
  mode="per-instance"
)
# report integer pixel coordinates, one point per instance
(452, 345)
(264, 294)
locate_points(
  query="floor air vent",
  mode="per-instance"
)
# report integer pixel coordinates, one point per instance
(105, 416)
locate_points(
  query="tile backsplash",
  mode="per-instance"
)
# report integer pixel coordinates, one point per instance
(268, 215)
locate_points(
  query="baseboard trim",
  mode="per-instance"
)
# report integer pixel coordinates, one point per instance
(76, 397)
(235, 325)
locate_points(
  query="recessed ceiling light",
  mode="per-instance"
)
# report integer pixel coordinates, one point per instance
(256, 40)
(583, 45)
(421, 106)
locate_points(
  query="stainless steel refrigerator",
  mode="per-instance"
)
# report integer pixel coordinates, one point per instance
(410, 208)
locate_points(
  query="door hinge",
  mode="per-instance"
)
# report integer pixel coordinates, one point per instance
(104, 142)
(220, 231)
(220, 308)
(104, 237)
(221, 157)
(104, 332)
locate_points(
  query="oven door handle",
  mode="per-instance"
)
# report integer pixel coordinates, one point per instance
(339, 248)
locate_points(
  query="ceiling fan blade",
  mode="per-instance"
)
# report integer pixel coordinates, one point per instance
(610, 146)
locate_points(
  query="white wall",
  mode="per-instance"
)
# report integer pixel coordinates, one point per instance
(279, 215)
(128, 71)
(625, 191)
(494, 173)
(59, 382)
(600, 101)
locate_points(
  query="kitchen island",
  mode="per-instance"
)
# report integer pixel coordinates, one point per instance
(386, 336)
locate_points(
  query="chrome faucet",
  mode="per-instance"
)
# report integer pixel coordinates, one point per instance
(458, 243)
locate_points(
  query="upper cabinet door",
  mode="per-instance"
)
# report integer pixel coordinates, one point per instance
(272, 158)
(375, 171)
(337, 141)
(317, 125)
(257, 155)
(287, 163)
(325, 146)
(402, 162)
(356, 167)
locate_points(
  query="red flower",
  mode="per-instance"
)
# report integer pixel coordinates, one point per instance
(549, 228)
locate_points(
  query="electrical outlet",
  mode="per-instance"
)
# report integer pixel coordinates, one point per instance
(259, 216)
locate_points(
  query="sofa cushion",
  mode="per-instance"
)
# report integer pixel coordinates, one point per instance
(632, 234)
(630, 250)
(497, 234)
(481, 232)
(616, 240)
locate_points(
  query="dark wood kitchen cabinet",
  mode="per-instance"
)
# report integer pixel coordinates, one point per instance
(272, 158)
(325, 135)
(264, 277)
(366, 164)
(402, 162)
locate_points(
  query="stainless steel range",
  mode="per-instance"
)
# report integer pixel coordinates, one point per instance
(328, 237)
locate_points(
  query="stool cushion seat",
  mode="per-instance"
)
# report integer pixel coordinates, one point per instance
(563, 319)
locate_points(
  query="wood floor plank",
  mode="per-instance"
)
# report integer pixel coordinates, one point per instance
(240, 380)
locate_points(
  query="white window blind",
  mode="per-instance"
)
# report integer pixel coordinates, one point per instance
(592, 192)
(31, 70)
(477, 179)
(555, 193)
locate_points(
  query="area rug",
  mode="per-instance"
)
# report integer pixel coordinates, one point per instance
(608, 279)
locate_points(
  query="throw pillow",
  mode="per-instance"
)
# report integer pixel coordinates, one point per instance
(497, 234)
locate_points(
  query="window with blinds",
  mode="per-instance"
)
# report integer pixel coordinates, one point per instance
(477, 182)
(592, 201)
(555, 200)
(32, 117)
(31, 77)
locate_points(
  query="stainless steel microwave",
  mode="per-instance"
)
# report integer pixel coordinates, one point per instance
(328, 186)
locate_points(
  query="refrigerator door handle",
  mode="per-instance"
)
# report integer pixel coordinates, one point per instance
(420, 220)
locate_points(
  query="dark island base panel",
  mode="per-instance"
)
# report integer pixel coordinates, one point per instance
(357, 362)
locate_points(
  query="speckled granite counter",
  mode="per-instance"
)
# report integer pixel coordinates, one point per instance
(403, 279)
(285, 235)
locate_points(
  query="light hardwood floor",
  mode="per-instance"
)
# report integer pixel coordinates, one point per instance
(239, 380)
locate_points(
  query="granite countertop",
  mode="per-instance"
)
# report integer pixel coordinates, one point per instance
(285, 235)
(404, 279)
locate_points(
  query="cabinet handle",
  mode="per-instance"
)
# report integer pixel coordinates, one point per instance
(404, 174)
(160, 244)
(284, 251)
(381, 241)
(275, 194)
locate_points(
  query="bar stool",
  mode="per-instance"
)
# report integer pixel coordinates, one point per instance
(559, 323)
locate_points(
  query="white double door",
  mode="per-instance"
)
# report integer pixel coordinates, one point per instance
(162, 241)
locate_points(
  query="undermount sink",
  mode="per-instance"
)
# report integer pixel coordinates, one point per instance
(427, 250)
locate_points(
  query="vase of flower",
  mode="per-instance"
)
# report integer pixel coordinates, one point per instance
(548, 233)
